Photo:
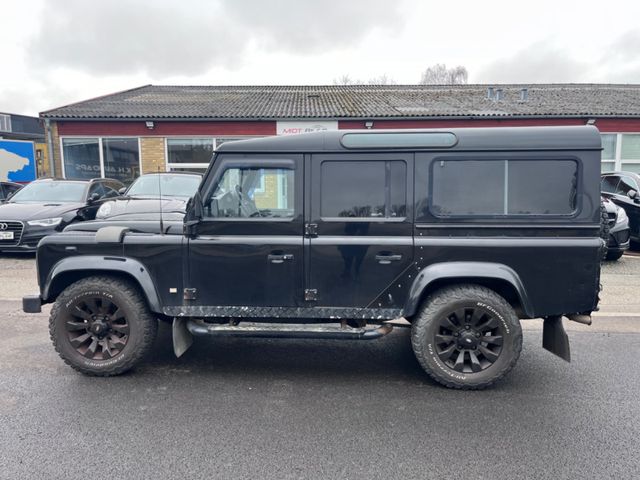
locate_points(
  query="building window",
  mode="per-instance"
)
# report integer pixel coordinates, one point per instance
(609, 142)
(192, 154)
(5, 123)
(86, 158)
(630, 152)
(509, 187)
(81, 158)
(121, 159)
(189, 154)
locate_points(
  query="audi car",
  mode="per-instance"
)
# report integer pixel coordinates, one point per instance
(47, 206)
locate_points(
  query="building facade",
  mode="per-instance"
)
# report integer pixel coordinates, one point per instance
(177, 128)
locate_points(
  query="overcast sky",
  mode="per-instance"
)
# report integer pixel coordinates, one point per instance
(61, 51)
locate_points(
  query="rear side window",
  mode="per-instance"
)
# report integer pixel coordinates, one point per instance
(609, 184)
(363, 189)
(626, 184)
(503, 187)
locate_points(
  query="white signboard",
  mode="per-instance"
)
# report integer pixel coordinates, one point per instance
(293, 128)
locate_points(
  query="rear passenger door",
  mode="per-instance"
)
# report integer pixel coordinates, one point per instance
(358, 228)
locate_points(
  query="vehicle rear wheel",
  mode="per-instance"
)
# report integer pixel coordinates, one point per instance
(102, 326)
(466, 337)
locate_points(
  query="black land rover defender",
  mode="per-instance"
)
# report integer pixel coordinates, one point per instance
(334, 235)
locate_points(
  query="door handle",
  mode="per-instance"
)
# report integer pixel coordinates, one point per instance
(387, 259)
(281, 258)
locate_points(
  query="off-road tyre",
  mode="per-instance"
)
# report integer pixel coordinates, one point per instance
(612, 256)
(124, 295)
(438, 308)
(604, 230)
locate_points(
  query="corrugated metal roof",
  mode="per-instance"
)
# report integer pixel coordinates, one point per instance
(355, 102)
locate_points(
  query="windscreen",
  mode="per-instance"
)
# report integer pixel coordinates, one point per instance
(51, 192)
(170, 186)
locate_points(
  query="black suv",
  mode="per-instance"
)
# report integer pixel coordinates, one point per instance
(46, 206)
(337, 234)
(622, 188)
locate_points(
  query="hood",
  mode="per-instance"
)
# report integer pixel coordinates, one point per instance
(35, 211)
(140, 208)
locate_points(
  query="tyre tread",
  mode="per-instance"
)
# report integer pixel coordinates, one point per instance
(440, 299)
(132, 292)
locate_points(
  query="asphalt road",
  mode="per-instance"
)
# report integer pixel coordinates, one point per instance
(241, 408)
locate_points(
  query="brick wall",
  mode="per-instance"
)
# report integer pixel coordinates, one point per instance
(57, 156)
(152, 152)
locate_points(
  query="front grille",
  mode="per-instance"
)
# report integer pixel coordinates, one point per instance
(11, 226)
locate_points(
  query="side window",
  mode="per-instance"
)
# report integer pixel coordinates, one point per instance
(609, 184)
(503, 187)
(96, 188)
(110, 192)
(363, 189)
(2, 193)
(252, 192)
(626, 184)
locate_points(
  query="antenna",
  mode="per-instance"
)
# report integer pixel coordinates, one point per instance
(160, 200)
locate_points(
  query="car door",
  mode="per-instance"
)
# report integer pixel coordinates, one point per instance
(630, 205)
(360, 227)
(247, 249)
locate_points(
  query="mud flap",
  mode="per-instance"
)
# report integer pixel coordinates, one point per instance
(555, 339)
(182, 338)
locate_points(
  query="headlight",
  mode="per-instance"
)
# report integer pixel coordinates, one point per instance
(45, 222)
(104, 210)
(622, 215)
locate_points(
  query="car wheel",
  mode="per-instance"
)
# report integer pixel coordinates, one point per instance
(614, 255)
(466, 337)
(102, 326)
(604, 229)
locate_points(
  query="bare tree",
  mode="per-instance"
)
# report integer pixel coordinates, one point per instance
(383, 79)
(346, 79)
(439, 74)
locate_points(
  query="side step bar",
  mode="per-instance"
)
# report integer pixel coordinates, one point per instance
(284, 330)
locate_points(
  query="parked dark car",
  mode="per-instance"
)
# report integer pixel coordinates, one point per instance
(7, 189)
(615, 230)
(622, 188)
(46, 206)
(151, 194)
(335, 234)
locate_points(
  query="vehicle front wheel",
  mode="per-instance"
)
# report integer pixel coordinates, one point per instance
(102, 326)
(614, 255)
(466, 337)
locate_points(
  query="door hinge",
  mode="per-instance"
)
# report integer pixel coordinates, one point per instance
(310, 295)
(190, 293)
(311, 229)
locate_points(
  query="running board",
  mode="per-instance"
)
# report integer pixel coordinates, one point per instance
(284, 330)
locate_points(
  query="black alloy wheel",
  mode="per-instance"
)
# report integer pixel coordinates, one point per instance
(102, 325)
(466, 336)
(469, 340)
(96, 327)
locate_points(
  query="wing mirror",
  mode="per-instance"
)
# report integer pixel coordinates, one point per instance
(194, 210)
(94, 198)
(122, 190)
(633, 195)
